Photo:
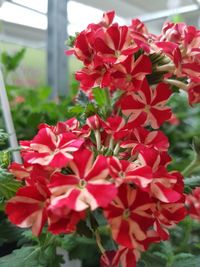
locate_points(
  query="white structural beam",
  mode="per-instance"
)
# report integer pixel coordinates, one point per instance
(121, 7)
(56, 59)
(167, 13)
(8, 120)
(29, 8)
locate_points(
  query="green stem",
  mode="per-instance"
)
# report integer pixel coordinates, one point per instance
(177, 83)
(166, 67)
(98, 240)
(190, 168)
(111, 143)
(187, 231)
(116, 150)
(98, 139)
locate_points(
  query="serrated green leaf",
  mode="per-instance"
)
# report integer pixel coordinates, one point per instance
(3, 137)
(4, 159)
(76, 110)
(8, 232)
(8, 185)
(192, 182)
(183, 256)
(84, 230)
(151, 259)
(90, 110)
(190, 262)
(100, 96)
(11, 62)
(26, 257)
(33, 256)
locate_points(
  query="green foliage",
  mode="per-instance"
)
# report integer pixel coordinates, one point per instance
(8, 232)
(8, 185)
(192, 182)
(30, 107)
(32, 256)
(11, 62)
(79, 246)
(3, 137)
(181, 135)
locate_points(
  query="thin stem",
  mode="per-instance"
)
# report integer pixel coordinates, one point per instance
(98, 240)
(190, 168)
(116, 150)
(98, 139)
(177, 83)
(166, 67)
(111, 143)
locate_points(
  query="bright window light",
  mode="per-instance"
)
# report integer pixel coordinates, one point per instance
(80, 15)
(40, 5)
(20, 15)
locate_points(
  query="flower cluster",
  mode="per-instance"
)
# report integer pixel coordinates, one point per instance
(193, 203)
(116, 163)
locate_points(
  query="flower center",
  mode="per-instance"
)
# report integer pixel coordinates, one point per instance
(121, 174)
(128, 77)
(126, 213)
(82, 184)
(147, 108)
(117, 53)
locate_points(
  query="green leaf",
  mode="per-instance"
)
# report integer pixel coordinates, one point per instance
(76, 110)
(44, 93)
(189, 262)
(192, 182)
(83, 229)
(26, 257)
(11, 62)
(33, 256)
(100, 96)
(8, 232)
(8, 185)
(116, 96)
(152, 260)
(3, 137)
(4, 159)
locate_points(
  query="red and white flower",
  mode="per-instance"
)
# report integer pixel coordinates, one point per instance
(87, 187)
(130, 216)
(29, 207)
(193, 204)
(150, 102)
(49, 149)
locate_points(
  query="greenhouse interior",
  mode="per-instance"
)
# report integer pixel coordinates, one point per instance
(99, 133)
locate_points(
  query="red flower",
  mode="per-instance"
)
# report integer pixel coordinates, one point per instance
(193, 203)
(50, 149)
(124, 257)
(63, 220)
(124, 171)
(140, 138)
(29, 207)
(92, 77)
(115, 44)
(130, 216)
(129, 74)
(150, 102)
(31, 174)
(168, 215)
(165, 186)
(194, 93)
(71, 125)
(88, 186)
